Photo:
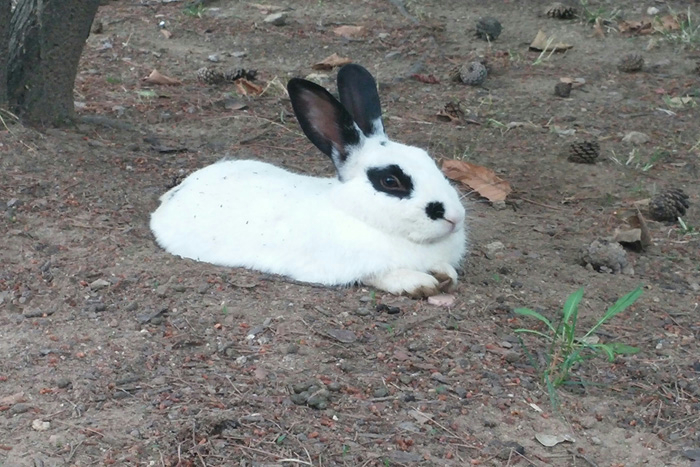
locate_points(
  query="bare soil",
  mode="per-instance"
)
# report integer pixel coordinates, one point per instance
(114, 352)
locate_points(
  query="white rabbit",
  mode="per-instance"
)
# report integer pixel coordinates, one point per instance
(390, 220)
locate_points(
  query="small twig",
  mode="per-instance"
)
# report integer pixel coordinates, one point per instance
(402, 9)
(542, 204)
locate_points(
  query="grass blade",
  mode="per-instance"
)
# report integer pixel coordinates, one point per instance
(534, 314)
(617, 308)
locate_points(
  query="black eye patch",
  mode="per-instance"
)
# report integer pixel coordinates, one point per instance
(391, 180)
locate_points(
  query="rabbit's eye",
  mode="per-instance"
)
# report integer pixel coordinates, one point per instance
(391, 180)
(391, 183)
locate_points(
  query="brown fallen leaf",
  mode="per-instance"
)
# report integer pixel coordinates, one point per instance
(635, 27)
(428, 79)
(245, 87)
(543, 43)
(480, 179)
(156, 77)
(349, 31)
(167, 34)
(598, 30)
(331, 62)
(667, 23)
(452, 112)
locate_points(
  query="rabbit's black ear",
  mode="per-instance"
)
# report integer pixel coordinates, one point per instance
(324, 120)
(358, 93)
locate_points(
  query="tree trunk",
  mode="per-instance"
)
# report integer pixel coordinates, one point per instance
(5, 11)
(46, 41)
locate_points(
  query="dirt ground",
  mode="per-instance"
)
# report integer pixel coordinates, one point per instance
(116, 353)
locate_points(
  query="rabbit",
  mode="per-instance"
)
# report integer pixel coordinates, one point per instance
(390, 219)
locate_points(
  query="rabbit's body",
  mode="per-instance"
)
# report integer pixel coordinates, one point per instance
(333, 231)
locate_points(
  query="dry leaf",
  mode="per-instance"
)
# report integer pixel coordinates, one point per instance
(480, 179)
(428, 79)
(553, 440)
(245, 87)
(543, 43)
(167, 34)
(598, 30)
(349, 31)
(667, 23)
(331, 62)
(12, 399)
(156, 77)
(635, 27)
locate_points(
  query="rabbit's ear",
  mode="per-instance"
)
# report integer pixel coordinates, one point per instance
(358, 93)
(324, 120)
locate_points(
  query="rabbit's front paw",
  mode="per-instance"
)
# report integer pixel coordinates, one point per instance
(446, 275)
(399, 281)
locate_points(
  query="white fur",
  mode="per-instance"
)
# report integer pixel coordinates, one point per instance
(245, 213)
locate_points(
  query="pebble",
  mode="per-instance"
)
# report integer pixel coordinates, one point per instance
(276, 19)
(99, 284)
(492, 250)
(214, 58)
(162, 290)
(380, 392)
(439, 377)
(635, 137)
(19, 408)
(40, 425)
(334, 386)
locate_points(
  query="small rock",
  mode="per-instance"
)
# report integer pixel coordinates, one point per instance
(342, 335)
(37, 313)
(300, 399)
(334, 386)
(317, 401)
(162, 290)
(63, 383)
(636, 138)
(512, 356)
(302, 386)
(40, 425)
(461, 392)
(380, 392)
(99, 284)
(214, 58)
(19, 408)
(292, 349)
(439, 377)
(239, 54)
(276, 19)
(492, 250)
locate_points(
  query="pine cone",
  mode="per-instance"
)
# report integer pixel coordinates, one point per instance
(488, 28)
(238, 73)
(631, 63)
(560, 11)
(584, 152)
(473, 73)
(668, 205)
(210, 76)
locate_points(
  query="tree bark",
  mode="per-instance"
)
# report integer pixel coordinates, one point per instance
(46, 40)
(5, 11)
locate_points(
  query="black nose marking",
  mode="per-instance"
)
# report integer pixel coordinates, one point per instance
(435, 210)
